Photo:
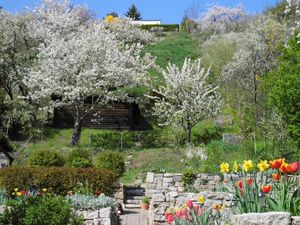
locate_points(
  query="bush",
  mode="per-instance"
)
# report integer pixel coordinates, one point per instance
(113, 161)
(79, 201)
(59, 180)
(165, 27)
(112, 140)
(46, 210)
(204, 136)
(46, 158)
(188, 177)
(81, 158)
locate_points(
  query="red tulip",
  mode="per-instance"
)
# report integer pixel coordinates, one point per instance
(23, 192)
(190, 204)
(170, 219)
(266, 188)
(240, 184)
(293, 167)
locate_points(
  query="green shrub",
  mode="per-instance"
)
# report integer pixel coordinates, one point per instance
(79, 201)
(204, 136)
(113, 161)
(59, 180)
(84, 188)
(81, 158)
(165, 27)
(46, 210)
(113, 140)
(188, 177)
(46, 158)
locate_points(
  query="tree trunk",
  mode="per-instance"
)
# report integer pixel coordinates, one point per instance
(77, 126)
(188, 135)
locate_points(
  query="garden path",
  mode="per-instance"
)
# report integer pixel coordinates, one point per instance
(134, 217)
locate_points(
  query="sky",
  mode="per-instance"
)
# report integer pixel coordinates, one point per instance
(168, 11)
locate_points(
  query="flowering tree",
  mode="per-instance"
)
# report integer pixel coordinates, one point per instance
(17, 52)
(257, 54)
(127, 31)
(294, 5)
(220, 19)
(80, 58)
(187, 97)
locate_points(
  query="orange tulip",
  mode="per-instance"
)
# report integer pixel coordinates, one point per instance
(276, 164)
(266, 188)
(276, 176)
(249, 181)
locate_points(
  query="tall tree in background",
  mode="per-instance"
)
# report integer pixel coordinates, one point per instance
(284, 91)
(114, 14)
(133, 13)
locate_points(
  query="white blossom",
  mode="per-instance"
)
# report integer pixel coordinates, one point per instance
(221, 19)
(187, 97)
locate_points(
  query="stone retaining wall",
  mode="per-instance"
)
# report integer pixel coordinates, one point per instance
(171, 182)
(269, 218)
(105, 216)
(168, 189)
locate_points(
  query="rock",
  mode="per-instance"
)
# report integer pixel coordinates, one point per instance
(177, 178)
(89, 214)
(296, 220)
(168, 175)
(269, 218)
(105, 212)
(103, 221)
(159, 197)
(151, 186)
(150, 177)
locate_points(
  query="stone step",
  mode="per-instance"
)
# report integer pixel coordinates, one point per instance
(135, 197)
(132, 206)
(135, 192)
(132, 201)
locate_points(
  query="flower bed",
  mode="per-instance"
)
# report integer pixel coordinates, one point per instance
(266, 186)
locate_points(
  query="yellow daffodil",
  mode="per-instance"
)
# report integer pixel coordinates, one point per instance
(201, 199)
(224, 167)
(44, 189)
(16, 189)
(263, 165)
(248, 165)
(235, 167)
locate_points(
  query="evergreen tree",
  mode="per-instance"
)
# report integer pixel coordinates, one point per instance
(133, 13)
(114, 14)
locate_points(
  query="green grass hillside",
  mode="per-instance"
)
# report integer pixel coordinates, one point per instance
(173, 49)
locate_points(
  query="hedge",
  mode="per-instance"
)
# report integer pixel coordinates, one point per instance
(59, 180)
(165, 27)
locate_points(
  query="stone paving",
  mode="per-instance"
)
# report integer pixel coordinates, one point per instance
(134, 217)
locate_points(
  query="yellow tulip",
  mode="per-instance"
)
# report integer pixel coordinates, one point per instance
(44, 189)
(19, 194)
(224, 167)
(263, 165)
(248, 165)
(235, 167)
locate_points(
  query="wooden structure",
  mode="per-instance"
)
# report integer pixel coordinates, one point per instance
(118, 116)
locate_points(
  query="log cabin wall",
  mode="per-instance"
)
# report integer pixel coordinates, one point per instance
(121, 116)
